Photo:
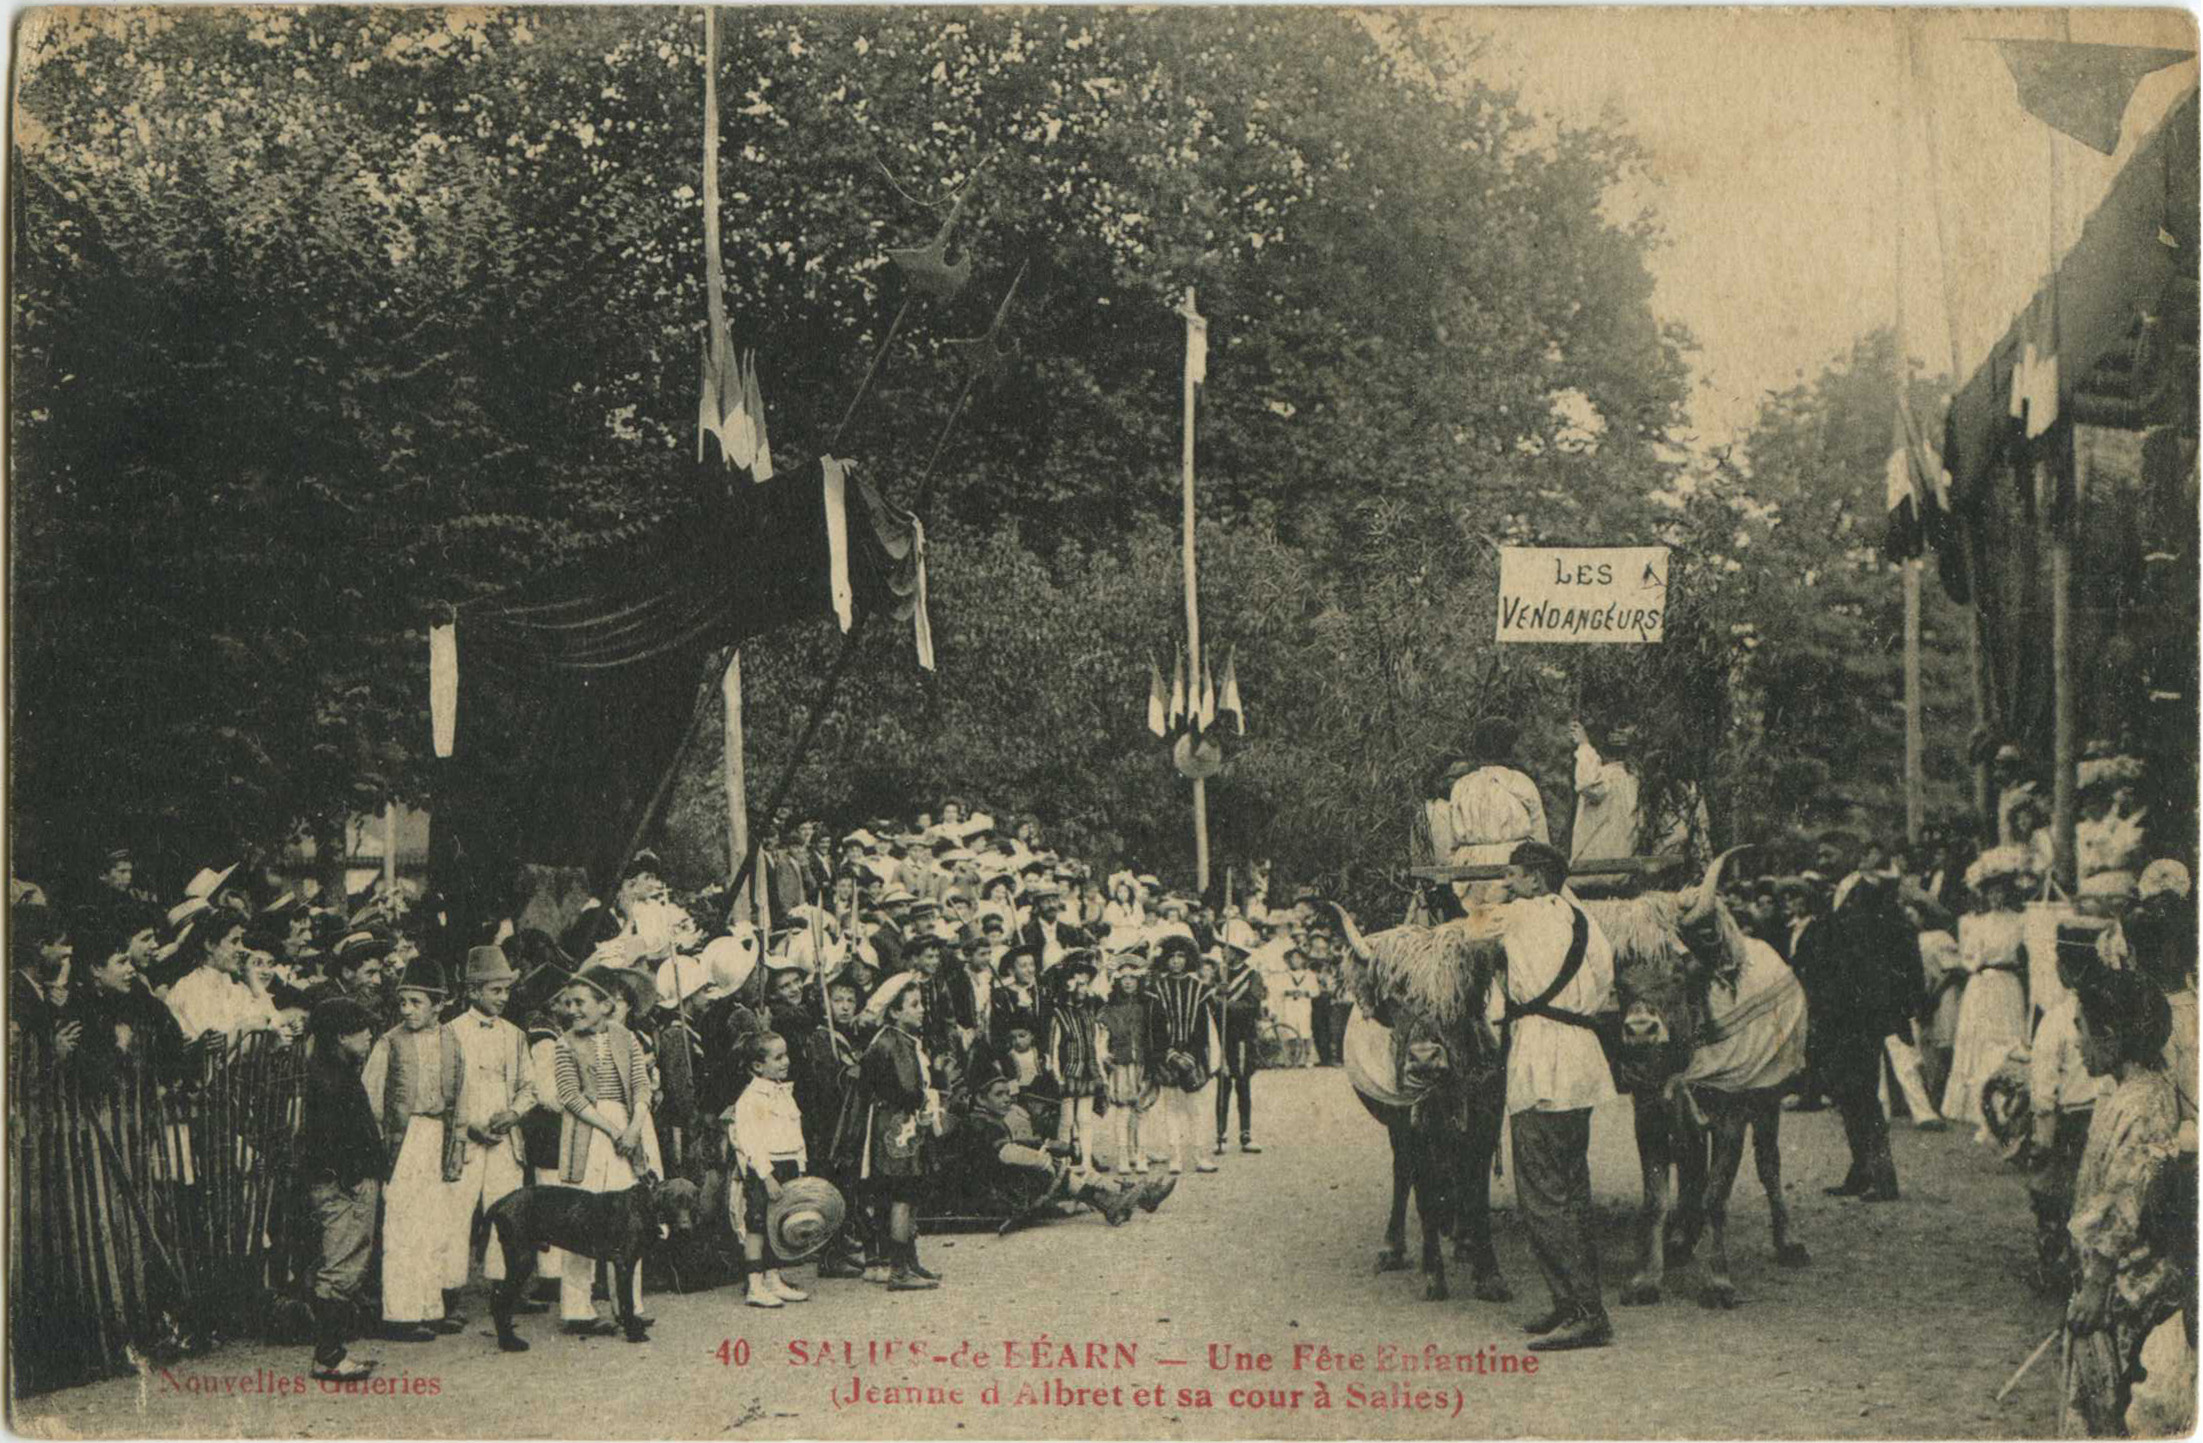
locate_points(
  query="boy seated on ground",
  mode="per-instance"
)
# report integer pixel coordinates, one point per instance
(1009, 1171)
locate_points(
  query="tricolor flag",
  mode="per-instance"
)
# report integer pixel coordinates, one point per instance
(1901, 538)
(1157, 720)
(731, 406)
(1177, 718)
(1206, 716)
(1229, 701)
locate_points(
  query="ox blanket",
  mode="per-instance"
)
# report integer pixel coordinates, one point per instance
(1367, 1053)
(1755, 1036)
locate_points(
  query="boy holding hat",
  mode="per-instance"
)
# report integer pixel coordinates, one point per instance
(340, 1159)
(766, 1130)
(498, 1090)
(414, 1076)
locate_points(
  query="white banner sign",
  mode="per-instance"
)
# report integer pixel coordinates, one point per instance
(1612, 594)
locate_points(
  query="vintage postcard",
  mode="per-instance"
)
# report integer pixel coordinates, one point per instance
(1190, 722)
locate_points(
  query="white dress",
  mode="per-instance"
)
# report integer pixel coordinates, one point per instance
(1992, 1016)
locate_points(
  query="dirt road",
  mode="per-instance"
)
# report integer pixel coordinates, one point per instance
(1907, 1320)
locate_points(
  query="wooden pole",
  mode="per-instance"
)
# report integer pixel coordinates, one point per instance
(390, 849)
(1900, 443)
(715, 305)
(1977, 674)
(2065, 744)
(1915, 735)
(738, 812)
(1193, 628)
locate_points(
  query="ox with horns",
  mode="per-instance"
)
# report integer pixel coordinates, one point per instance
(1427, 1065)
(1711, 1026)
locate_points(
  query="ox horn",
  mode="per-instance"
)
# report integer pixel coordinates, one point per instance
(1350, 933)
(1701, 900)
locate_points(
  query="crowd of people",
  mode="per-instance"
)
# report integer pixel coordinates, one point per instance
(1954, 983)
(945, 1020)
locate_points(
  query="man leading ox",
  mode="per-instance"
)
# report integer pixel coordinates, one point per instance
(1559, 972)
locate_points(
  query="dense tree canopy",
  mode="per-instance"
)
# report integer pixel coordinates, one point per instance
(326, 319)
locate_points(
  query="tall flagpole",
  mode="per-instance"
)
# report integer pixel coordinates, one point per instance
(1900, 444)
(1976, 663)
(2064, 742)
(1193, 612)
(715, 305)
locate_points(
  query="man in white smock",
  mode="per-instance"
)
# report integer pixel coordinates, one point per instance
(1492, 807)
(1560, 972)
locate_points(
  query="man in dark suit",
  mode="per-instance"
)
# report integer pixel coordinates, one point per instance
(1873, 988)
(1804, 945)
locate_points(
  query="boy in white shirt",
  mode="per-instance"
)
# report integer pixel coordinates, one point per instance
(767, 1134)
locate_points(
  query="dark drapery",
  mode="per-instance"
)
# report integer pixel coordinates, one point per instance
(576, 689)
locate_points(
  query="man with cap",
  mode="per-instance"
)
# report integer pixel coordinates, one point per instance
(339, 1157)
(2135, 1256)
(1871, 986)
(414, 1077)
(1559, 972)
(971, 987)
(354, 971)
(922, 958)
(1492, 806)
(1041, 930)
(498, 1090)
(1240, 995)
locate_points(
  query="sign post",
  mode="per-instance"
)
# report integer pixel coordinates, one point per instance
(1612, 595)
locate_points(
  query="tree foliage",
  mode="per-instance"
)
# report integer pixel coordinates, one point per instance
(326, 319)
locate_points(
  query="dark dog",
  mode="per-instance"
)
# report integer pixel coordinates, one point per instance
(615, 1227)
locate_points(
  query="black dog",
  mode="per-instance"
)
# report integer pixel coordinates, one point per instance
(611, 1226)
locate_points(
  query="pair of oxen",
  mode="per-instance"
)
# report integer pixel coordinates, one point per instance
(1709, 1028)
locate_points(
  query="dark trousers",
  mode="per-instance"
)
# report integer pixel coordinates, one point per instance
(1328, 1020)
(1852, 1071)
(1239, 1057)
(1553, 1188)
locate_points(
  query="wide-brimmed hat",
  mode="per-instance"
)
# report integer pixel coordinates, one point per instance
(681, 977)
(804, 1218)
(885, 995)
(2163, 875)
(488, 964)
(2008, 863)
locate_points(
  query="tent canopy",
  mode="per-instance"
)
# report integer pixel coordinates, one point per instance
(2116, 471)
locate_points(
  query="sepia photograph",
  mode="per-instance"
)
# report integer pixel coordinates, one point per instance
(1177, 722)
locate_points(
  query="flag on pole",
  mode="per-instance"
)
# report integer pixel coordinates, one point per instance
(443, 685)
(1207, 716)
(1197, 342)
(1902, 533)
(1229, 701)
(2082, 90)
(1156, 718)
(1177, 717)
